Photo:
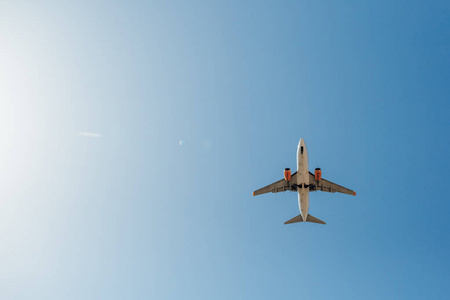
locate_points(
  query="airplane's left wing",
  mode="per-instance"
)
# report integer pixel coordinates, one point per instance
(328, 186)
(279, 186)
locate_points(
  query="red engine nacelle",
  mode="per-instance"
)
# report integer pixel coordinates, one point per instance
(287, 174)
(318, 174)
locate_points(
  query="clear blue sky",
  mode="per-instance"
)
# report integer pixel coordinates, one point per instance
(98, 199)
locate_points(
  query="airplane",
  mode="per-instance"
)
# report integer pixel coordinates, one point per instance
(303, 182)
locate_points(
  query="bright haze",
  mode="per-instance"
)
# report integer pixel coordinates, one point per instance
(132, 135)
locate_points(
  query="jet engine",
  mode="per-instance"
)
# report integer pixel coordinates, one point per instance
(318, 174)
(287, 174)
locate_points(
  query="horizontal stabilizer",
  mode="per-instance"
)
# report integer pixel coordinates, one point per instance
(312, 219)
(309, 218)
(295, 220)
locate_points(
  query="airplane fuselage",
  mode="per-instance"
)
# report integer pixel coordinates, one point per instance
(303, 179)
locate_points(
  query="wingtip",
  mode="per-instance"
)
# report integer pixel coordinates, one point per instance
(354, 193)
(253, 194)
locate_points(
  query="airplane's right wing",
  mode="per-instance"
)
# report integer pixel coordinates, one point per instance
(279, 186)
(328, 186)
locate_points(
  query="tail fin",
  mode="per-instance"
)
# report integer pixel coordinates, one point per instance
(295, 220)
(312, 219)
(309, 218)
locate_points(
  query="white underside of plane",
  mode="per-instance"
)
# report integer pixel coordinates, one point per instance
(303, 177)
(303, 182)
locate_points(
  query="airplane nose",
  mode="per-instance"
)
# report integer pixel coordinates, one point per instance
(301, 144)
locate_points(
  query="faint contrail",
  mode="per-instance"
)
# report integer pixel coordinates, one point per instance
(90, 134)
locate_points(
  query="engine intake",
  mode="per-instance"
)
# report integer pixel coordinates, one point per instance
(287, 174)
(318, 174)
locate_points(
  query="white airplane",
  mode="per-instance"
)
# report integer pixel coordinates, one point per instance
(303, 182)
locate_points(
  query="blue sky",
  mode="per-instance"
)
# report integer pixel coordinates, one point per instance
(98, 199)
